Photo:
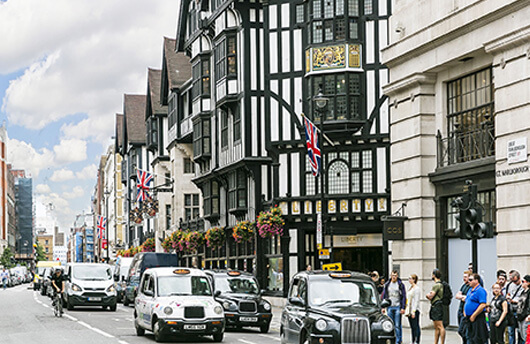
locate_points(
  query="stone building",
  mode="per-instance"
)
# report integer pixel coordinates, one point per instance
(459, 98)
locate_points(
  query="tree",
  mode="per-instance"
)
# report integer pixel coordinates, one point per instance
(39, 253)
(7, 259)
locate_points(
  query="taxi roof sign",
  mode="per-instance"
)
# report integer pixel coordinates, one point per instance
(340, 275)
(234, 273)
(181, 271)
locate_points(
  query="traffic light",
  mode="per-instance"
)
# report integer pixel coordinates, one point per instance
(469, 217)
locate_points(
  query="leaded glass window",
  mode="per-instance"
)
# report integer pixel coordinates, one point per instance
(344, 93)
(338, 177)
(310, 182)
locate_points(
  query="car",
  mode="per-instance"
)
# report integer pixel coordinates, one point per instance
(177, 301)
(335, 307)
(121, 271)
(141, 262)
(89, 284)
(241, 298)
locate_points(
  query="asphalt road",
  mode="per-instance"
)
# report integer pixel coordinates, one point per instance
(27, 317)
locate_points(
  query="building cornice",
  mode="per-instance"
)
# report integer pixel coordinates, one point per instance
(509, 41)
(410, 82)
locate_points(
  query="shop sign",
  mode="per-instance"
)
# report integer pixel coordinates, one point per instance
(517, 150)
(319, 231)
(332, 267)
(323, 253)
(393, 227)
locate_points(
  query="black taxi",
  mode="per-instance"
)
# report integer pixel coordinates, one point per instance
(328, 307)
(240, 296)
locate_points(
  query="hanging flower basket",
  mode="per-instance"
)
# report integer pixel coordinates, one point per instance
(215, 237)
(191, 241)
(243, 231)
(270, 223)
(149, 245)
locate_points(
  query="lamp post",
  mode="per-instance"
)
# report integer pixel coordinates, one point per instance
(107, 193)
(321, 102)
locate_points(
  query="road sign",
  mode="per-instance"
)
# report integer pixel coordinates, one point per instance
(319, 231)
(323, 253)
(332, 266)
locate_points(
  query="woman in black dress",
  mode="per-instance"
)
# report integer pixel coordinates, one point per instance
(498, 309)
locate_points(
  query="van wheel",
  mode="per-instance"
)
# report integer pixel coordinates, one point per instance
(139, 330)
(69, 305)
(157, 330)
(218, 337)
(113, 307)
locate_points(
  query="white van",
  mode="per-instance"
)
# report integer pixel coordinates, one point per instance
(90, 284)
(121, 271)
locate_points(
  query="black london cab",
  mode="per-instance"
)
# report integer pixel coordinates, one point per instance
(328, 307)
(240, 296)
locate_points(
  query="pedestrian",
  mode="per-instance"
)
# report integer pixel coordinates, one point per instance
(412, 310)
(498, 311)
(514, 289)
(471, 267)
(381, 285)
(474, 312)
(395, 290)
(308, 267)
(501, 281)
(4, 276)
(523, 308)
(461, 296)
(436, 313)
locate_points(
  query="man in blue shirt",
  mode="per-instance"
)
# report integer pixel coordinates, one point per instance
(476, 299)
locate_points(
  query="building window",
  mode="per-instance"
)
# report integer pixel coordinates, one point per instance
(237, 190)
(225, 53)
(329, 18)
(300, 15)
(168, 217)
(310, 180)
(338, 177)
(201, 78)
(224, 128)
(46, 242)
(201, 138)
(368, 7)
(237, 125)
(362, 176)
(191, 206)
(172, 110)
(470, 118)
(47, 250)
(210, 191)
(344, 93)
(152, 134)
(189, 166)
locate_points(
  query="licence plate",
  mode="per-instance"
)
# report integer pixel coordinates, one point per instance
(249, 319)
(195, 327)
(94, 299)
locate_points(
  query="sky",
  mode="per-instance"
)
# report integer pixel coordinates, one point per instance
(64, 67)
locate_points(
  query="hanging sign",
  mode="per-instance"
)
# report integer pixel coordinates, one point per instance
(393, 227)
(319, 231)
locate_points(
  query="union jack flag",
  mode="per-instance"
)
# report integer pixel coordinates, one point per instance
(144, 178)
(101, 226)
(313, 150)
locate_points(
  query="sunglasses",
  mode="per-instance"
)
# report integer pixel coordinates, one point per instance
(470, 279)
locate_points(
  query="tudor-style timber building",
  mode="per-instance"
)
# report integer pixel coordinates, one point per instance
(256, 66)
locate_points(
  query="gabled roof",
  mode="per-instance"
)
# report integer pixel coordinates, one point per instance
(119, 132)
(181, 25)
(153, 93)
(178, 65)
(134, 112)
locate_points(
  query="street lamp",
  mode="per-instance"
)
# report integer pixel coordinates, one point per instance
(107, 193)
(321, 103)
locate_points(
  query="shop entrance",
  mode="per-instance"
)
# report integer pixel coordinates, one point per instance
(360, 259)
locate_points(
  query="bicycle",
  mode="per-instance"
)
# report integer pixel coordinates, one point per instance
(57, 304)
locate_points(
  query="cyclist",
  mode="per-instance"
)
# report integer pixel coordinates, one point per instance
(57, 284)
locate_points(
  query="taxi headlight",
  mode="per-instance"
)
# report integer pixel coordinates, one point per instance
(266, 306)
(75, 287)
(111, 289)
(168, 310)
(321, 325)
(387, 326)
(229, 306)
(218, 310)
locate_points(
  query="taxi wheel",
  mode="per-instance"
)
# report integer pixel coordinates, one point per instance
(157, 330)
(264, 328)
(139, 331)
(125, 300)
(218, 337)
(304, 338)
(113, 307)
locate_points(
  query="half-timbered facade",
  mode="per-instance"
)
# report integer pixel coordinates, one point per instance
(329, 47)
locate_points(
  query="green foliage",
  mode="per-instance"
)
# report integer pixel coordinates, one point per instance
(7, 258)
(39, 253)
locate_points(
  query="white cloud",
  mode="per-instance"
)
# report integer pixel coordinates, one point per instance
(62, 175)
(79, 57)
(75, 193)
(43, 189)
(89, 172)
(24, 156)
(72, 150)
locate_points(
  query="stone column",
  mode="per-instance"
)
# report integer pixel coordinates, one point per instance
(511, 75)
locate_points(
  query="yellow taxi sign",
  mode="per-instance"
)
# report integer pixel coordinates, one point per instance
(340, 275)
(234, 273)
(332, 267)
(181, 271)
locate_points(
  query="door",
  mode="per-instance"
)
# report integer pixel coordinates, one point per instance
(361, 259)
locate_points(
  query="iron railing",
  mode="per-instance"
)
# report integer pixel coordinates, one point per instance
(464, 147)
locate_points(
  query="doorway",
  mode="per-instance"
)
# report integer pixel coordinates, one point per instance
(360, 259)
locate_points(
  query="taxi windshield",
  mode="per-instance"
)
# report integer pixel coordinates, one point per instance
(239, 285)
(183, 285)
(341, 293)
(92, 272)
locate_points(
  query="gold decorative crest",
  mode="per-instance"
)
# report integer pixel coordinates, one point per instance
(355, 56)
(329, 57)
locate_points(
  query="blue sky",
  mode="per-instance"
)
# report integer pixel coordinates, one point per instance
(64, 67)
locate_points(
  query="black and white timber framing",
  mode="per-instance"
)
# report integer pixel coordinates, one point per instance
(256, 66)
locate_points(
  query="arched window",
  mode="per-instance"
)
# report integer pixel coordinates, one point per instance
(338, 177)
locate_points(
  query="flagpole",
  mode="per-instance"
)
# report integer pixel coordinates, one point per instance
(320, 130)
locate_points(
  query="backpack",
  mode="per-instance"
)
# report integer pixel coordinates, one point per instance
(447, 296)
